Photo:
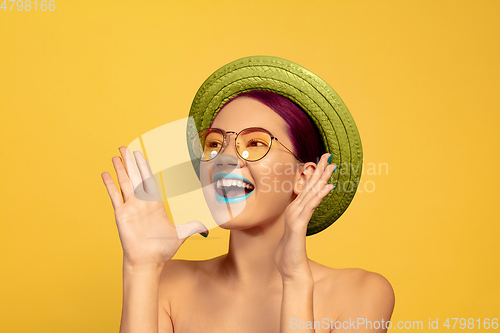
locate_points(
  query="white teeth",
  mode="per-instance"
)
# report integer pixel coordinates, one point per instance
(232, 182)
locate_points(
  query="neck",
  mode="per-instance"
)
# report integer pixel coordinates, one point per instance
(250, 259)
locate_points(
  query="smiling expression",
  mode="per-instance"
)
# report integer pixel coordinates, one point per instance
(247, 194)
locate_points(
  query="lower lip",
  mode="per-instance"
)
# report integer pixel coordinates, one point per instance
(232, 200)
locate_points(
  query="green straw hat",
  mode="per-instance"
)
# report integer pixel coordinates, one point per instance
(319, 101)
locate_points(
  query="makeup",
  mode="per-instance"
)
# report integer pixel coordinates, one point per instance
(232, 188)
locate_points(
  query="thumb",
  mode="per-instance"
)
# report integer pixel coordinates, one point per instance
(188, 229)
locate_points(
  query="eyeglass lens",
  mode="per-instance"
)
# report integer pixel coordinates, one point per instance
(252, 144)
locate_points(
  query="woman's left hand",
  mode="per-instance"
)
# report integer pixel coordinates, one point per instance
(291, 256)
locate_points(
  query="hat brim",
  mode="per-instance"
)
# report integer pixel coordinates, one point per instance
(320, 102)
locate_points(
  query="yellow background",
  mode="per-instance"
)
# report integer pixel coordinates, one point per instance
(421, 79)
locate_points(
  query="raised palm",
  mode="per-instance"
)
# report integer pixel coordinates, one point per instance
(291, 256)
(146, 233)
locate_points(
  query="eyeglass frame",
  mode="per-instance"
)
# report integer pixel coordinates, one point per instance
(225, 143)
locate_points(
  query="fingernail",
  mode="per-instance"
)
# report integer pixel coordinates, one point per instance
(330, 158)
(334, 186)
(335, 168)
(204, 234)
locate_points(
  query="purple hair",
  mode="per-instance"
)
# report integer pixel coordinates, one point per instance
(304, 137)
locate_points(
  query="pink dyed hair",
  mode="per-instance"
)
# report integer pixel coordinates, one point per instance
(304, 137)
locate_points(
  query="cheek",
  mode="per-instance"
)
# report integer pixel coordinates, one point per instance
(276, 179)
(205, 174)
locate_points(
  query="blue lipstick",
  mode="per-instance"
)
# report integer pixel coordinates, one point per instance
(232, 200)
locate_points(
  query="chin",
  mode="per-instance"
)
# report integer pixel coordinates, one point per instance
(227, 221)
(230, 212)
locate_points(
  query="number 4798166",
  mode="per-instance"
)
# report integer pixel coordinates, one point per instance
(27, 5)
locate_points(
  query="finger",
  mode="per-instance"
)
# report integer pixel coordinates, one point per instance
(314, 201)
(148, 180)
(317, 172)
(133, 173)
(190, 228)
(313, 180)
(123, 179)
(320, 168)
(113, 192)
(304, 189)
(320, 184)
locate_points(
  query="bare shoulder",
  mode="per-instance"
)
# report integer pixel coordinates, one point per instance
(357, 279)
(357, 288)
(178, 275)
(177, 272)
(177, 269)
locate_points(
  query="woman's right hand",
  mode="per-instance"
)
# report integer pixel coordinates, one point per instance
(147, 235)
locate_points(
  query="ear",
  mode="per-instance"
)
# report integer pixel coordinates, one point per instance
(304, 173)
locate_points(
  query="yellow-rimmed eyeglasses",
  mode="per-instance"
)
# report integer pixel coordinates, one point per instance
(252, 143)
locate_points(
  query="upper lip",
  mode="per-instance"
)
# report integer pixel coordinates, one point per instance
(230, 176)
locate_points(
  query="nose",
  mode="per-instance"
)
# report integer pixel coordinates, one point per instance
(226, 161)
(229, 159)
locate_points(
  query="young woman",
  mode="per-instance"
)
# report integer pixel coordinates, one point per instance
(266, 161)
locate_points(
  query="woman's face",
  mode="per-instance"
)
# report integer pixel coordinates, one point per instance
(272, 178)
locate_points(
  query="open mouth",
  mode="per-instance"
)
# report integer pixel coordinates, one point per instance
(231, 188)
